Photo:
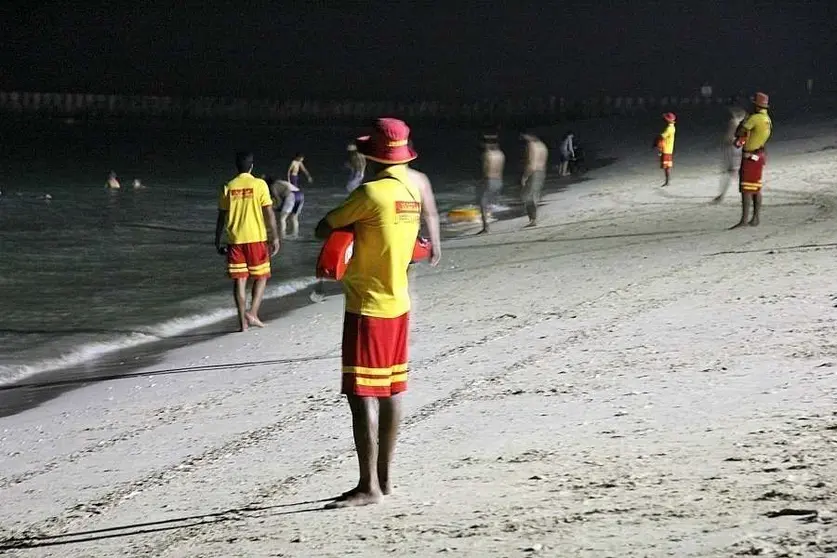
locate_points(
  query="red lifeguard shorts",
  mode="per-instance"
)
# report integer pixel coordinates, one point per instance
(666, 160)
(374, 355)
(751, 172)
(246, 260)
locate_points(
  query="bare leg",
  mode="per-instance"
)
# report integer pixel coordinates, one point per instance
(283, 225)
(256, 303)
(726, 180)
(365, 431)
(240, 296)
(754, 222)
(668, 176)
(389, 418)
(294, 232)
(745, 210)
(484, 210)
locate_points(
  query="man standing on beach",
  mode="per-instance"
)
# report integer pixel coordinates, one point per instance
(534, 175)
(752, 135)
(493, 161)
(665, 146)
(244, 206)
(385, 215)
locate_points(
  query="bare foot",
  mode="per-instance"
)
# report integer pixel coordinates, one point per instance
(484, 231)
(356, 498)
(754, 222)
(386, 488)
(737, 225)
(717, 200)
(532, 223)
(254, 321)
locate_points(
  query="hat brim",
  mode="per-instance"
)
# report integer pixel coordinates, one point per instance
(399, 156)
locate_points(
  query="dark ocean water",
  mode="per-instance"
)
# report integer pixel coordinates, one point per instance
(92, 271)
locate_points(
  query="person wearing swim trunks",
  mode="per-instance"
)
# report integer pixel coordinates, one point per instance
(284, 201)
(244, 206)
(385, 215)
(534, 175)
(493, 161)
(665, 146)
(357, 167)
(752, 135)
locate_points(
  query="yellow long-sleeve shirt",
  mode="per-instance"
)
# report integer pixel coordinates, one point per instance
(668, 139)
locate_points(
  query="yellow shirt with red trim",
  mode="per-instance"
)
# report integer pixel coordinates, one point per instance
(243, 199)
(757, 128)
(385, 214)
(668, 139)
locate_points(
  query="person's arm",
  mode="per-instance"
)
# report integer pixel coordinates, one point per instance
(305, 170)
(431, 218)
(264, 200)
(220, 223)
(355, 208)
(527, 165)
(290, 170)
(273, 229)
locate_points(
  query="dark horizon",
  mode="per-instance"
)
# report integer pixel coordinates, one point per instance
(396, 50)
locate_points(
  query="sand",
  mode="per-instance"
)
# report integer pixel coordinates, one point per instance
(627, 379)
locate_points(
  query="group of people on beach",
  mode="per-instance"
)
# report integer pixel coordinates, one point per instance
(743, 150)
(536, 155)
(385, 215)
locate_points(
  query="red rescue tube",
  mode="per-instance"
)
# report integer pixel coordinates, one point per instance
(338, 248)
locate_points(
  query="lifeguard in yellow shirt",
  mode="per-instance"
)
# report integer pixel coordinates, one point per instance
(665, 146)
(752, 136)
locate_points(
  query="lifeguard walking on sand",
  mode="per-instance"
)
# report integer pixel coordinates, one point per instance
(244, 206)
(665, 146)
(752, 136)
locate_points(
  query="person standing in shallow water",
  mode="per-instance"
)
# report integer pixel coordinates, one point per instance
(752, 136)
(385, 215)
(357, 167)
(244, 206)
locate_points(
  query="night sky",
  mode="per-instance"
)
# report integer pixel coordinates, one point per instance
(398, 49)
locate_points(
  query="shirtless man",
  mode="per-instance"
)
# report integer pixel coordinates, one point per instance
(297, 166)
(429, 213)
(534, 174)
(493, 161)
(731, 152)
(112, 183)
(288, 201)
(357, 167)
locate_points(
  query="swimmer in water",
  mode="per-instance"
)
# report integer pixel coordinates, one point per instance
(297, 166)
(112, 183)
(137, 184)
(288, 201)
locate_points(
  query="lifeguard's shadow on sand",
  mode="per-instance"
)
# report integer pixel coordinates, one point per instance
(134, 529)
(25, 394)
